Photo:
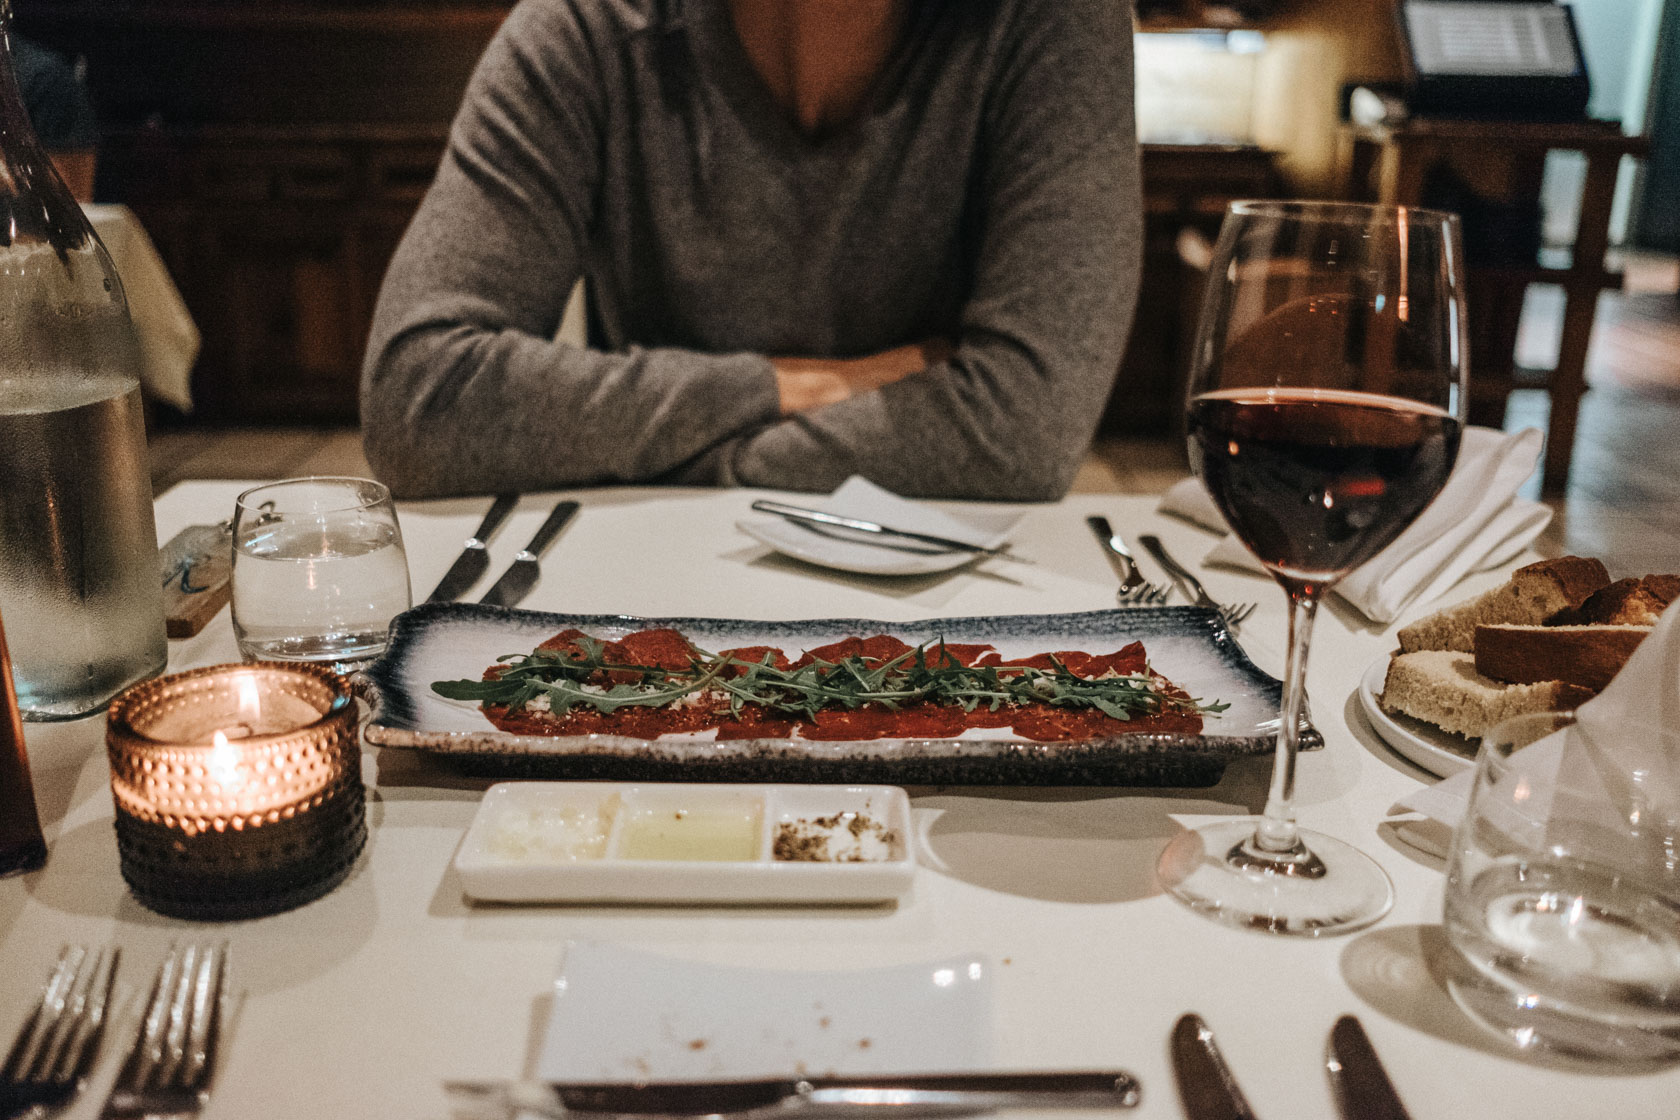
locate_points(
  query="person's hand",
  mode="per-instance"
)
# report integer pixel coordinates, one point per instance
(807, 383)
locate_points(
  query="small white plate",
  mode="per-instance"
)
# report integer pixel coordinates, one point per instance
(1440, 752)
(857, 552)
(683, 842)
(624, 1015)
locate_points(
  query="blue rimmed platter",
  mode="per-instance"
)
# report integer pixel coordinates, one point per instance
(1189, 645)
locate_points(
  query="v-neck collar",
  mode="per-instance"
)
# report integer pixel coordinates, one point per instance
(719, 51)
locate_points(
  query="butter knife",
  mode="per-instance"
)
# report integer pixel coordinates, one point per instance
(521, 576)
(816, 1098)
(474, 560)
(1205, 1084)
(858, 525)
(1118, 555)
(1363, 1090)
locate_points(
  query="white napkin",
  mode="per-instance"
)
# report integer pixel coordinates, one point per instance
(1476, 523)
(1615, 757)
(168, 337)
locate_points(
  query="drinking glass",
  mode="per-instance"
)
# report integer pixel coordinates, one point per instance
(1563, 898)
(318, 571)
(1325, 401)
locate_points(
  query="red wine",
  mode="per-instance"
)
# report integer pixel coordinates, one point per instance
(21, 845)
(1317, 482)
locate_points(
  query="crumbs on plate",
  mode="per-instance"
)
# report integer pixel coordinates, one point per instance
(840, 838)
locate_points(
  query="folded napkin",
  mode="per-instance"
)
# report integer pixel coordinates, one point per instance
(1619, 762)
(1477, 522)
(168, 337)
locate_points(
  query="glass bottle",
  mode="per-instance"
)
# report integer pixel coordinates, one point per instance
(79, 579)
(21, 845)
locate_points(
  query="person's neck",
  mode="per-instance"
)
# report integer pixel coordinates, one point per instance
(819, 58)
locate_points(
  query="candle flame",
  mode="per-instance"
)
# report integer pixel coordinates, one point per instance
(224, 761)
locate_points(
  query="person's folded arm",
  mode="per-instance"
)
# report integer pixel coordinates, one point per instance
(464, 389)
(1010, 414)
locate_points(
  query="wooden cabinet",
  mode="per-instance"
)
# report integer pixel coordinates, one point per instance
(275, 154)
(278, 240)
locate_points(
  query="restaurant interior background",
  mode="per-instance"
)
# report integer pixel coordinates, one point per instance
(274, 153)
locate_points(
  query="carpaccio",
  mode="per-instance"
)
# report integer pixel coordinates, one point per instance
(668, 649)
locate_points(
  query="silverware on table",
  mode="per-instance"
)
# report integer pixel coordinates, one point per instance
(1191, 587)
(960, 1094)
(168, 1072)
(1363, 1090)
(1205, 1084)
(821, 520)
(475, 553)
(56, 1044)
(1134, 589)
(521, 576)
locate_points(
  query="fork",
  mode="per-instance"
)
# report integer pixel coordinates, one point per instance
(56, 1044)
(168, 1071)
(1191, 587)
(1134, 589)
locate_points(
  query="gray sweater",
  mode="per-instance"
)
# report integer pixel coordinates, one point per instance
(988, 193)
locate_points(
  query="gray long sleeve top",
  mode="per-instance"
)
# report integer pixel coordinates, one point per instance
(987, 193)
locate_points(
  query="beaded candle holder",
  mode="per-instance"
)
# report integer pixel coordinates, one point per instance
(238, 788)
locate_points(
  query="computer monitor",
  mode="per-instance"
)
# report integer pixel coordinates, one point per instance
(1493, 58)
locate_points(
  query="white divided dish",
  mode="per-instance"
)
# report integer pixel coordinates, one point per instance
(623, 1014)
(682, 842)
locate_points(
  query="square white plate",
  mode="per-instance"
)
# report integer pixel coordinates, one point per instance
(499, 865)
(625, 1015)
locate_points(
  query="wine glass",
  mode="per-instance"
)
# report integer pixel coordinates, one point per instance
(1326, 400)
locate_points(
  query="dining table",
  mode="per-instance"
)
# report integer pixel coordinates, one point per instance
(365, 1001)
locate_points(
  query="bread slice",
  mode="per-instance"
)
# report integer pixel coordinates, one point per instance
(1627, 602)
(1581, 655)
(1534, 593)
(1442, 687)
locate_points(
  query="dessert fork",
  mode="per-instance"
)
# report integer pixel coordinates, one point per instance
(167, 1074)
(1232, 613)
(56, 1044)
(1134, 591)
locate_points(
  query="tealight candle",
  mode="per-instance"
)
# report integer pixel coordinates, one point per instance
(238, 788)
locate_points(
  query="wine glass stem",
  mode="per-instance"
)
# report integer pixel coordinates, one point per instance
(1277, 832)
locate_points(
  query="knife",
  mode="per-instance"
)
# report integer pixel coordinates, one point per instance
(1118, 555)
(815, 1098)
(475, 554)
(522, 574)
(1363, 1090)
(1205, 1084)
(834, 520)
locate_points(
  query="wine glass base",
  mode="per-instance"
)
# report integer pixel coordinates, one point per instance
(1351, 892)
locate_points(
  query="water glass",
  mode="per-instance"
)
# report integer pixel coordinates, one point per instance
(1563, 899)
(318, 571)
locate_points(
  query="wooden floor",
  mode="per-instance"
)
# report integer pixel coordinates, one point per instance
(1623, 501)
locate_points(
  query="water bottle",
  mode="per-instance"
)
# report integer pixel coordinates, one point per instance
(79, 579)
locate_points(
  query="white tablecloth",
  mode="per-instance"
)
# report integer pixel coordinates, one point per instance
(168, 337)
(361, 1003)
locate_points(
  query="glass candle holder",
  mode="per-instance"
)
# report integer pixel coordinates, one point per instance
(237, 788)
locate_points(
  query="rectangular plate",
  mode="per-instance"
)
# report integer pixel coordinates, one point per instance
(1189, 645)
(493, 870)
(625, 1014)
